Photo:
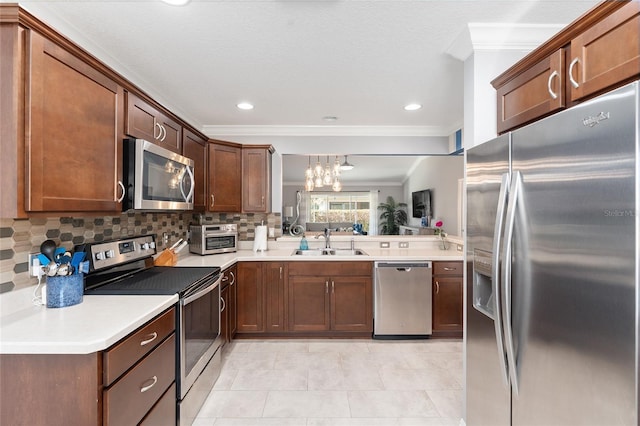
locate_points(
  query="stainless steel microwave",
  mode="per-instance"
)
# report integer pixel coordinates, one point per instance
(212, 239)
(156, 178)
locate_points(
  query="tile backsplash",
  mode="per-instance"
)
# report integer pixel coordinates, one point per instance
(20, 237)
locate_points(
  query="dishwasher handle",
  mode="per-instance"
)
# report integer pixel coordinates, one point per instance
(403, 266)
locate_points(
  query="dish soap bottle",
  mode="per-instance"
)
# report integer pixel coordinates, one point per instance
(304, 245)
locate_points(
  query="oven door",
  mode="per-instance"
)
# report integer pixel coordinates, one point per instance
(199, 328)
(220, 243)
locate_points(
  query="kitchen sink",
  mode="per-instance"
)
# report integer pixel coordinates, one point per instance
(329, 252)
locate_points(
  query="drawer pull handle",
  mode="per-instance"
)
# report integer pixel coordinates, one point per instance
(233, 278)
(449, 269)
(154, 380)
(153, 337)
(437, 287)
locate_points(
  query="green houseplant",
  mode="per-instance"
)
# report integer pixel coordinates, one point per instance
(392, 216)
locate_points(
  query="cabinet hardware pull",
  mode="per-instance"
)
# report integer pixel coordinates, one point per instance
(124, 192)
(153, 337)
(159, 130)
(281, 273)
(574, 83)
(154, 380)
(224, 305)
(163, 132)
(233, 276)
(437, 287)
(225, 277)
(449, 269)
(326, 287)
(212, 200)
(551, 92)
(333, 287)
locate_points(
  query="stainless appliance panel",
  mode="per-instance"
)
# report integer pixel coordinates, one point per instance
(213, 239)
(402, 299)
(488, 394)
(574, 250)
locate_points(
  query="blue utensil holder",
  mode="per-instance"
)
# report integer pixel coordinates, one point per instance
(65, 290)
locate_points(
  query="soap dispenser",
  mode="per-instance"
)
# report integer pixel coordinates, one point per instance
(304, 245)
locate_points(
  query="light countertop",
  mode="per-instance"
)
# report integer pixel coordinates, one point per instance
(100, 321)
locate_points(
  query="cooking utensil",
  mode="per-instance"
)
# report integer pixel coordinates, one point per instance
(176, 244)
(180, 247)
(48, 248)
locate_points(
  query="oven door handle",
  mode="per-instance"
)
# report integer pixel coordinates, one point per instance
(202, 292)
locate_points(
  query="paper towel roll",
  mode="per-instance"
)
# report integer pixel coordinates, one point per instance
(260, 240)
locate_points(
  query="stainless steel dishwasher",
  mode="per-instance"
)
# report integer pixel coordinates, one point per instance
(402, 300)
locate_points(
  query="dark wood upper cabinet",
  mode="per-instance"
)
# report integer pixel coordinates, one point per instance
(596, 53)
(256, 179)
(195, 148)
(225, 178)
(143, 121)
(73, 152)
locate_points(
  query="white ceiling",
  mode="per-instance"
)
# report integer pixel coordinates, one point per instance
(299, 61)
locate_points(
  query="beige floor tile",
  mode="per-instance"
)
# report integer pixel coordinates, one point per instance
(307, 404)
(381, 404)
(372, 361)
(265, 421)
(308, 361)
(279, 346)
(414, 379)
(339, 346)
(233, 404)
(448, 403)
(226, 378)
(270, 380)
(349, 421)
(341, 379)
(250, 361)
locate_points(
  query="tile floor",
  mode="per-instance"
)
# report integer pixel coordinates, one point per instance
(337, 383)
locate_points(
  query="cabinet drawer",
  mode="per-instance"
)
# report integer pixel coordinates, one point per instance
(164, 412)
(447, 268)
(120, 357)
(129, 399)
(328, 269)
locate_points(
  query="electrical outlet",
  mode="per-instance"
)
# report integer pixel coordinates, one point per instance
(403, 244)
(384, 244)
(272, 232)
(459, 247)
(34, 264)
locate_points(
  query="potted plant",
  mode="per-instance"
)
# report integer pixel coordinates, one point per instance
(392, 216)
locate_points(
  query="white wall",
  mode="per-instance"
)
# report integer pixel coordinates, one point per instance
(440, 174)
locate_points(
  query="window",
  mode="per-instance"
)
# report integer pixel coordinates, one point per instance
(342, 209)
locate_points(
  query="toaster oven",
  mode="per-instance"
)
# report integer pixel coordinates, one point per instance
(213, 239)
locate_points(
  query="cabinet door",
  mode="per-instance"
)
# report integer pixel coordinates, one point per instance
(195, 147)
(607, 53)
(249, 297)
(256, 180)
(140, 120)
(447, 304)
(225, 178)
(275, 273)
(171, 136)
(308, 303)
(535, 93)
(351, 304)
(74, 151)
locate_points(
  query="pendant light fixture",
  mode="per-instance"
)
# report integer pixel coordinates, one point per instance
(318, 171)
(309, 172)
(346, 165)
(319, 177)
(336, 167)
(327, 178)
(337, 186)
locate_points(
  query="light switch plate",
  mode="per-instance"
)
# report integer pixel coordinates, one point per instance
(385, 244)
(403, 244)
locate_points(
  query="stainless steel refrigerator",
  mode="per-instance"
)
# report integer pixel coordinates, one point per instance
(553, 219)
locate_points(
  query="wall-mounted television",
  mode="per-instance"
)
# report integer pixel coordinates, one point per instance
(421, 203)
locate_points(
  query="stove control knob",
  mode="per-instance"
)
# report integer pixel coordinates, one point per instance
(152, 245)
(145, 246)
(109, 254)
(100, 255)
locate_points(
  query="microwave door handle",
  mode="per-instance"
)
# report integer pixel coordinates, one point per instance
(189, 196)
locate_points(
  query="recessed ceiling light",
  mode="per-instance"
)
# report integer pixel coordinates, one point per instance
(245, 105)
(412, 107)
(176, 2)
(329, 118)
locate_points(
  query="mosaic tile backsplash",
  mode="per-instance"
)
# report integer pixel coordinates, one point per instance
(20, 237)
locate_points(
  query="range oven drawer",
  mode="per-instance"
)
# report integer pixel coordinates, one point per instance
(120, 357)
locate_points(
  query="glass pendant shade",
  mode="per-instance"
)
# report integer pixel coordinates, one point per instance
(318, 182)
(318, 171)
(346, 165)
(308, 185)
(327, 173)
(336, 167)
(337, 186)
(309, 172)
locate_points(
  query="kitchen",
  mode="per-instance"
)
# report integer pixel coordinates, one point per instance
(133, 222)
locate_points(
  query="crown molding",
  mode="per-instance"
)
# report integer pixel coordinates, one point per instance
(497, 36)
(222, 131)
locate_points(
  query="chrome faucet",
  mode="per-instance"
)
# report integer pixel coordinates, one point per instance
(327, 238)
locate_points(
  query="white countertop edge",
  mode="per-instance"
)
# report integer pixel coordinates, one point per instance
(93, 325)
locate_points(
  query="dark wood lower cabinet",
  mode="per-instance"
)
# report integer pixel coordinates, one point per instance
(228, 309)
(447, 299)
(305, 299)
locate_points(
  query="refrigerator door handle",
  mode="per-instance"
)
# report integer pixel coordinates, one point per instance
(496, 286)
(514, 192)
